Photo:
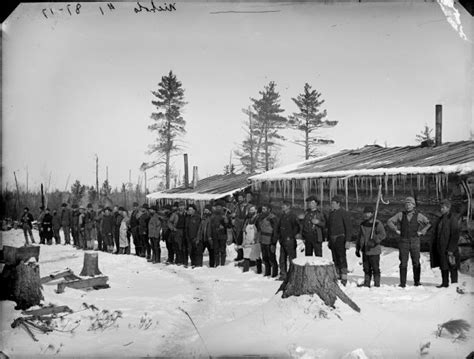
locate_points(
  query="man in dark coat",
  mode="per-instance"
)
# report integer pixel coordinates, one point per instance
(47, 227)
(286, 231)
(239, 215)
(98, 223)
(66, 223)
(203, 239)
(134, 227)
(74, 225)
(143, 219)
(219, 224)
(154, 235)
(27, 223)
(368, 242)
(191, 229)
(176, 224)
(107, 230)
(166, 232)
(266, 224)
(339, 237)
(313, 226)
(412, 225)
(56, 227)
(40, 224)
(444, 245)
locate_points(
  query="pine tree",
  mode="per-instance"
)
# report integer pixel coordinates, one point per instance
(425, 135)
(268, 121)
(309, 120)
(168, 124)
(77, 190)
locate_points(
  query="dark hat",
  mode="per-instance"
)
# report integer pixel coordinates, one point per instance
(268, 205)
(145, 206)
(337, 199)
(220, 202)
(175, 204)
(135, 204)
(208, 207)
(107, 208)
(167, 207)
(368, 209)
(121, 208)
(312, 198)
(153, 208)
(26, 208)
(446, 203)
(89, 205)
(74, 206)
(64, 205)
(41, 207)
(193, 206)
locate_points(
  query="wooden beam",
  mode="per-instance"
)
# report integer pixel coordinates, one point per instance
(83, 283)
(57, 275)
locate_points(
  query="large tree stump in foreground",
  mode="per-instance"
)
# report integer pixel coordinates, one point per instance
(91, 264)
(27, 286)
(315, 275)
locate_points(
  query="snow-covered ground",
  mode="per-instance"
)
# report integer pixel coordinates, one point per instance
(238, 313)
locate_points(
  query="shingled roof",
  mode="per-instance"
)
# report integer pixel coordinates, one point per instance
(214, 187)
(373, 160)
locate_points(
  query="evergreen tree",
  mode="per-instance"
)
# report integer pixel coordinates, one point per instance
(425, 135)
(77, 191)
(309, 120)
(168, 124)
(249, 150)
(266, 111)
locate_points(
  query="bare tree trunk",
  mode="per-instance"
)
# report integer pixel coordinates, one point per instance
(167, 170)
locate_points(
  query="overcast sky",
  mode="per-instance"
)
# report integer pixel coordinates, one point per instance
(79, 85)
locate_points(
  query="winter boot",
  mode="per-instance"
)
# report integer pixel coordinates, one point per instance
(454, 275)
(445, 277)
(267, 270)
(366, 283)
(376, 280)
(259, 266)
(416, 275)
(403, 277)
(274, 271)
(246, 265)
(240, 255)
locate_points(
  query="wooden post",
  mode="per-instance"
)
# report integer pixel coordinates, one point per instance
(186, 171)
(91, 264)
(315, 275)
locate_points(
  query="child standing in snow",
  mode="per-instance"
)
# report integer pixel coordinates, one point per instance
(368, 242)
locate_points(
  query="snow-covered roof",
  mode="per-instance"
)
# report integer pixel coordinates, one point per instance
(210, 188)
(373, 160)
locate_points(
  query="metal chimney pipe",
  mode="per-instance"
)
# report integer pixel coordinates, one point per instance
(186, 171)
(439, 125)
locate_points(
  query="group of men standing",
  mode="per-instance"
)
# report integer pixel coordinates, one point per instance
(255, 232)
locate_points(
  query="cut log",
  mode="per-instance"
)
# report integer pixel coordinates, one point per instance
(91, 265)
(54, 309)
(96, 282)
(315, 275)
(27, 285)
(57, 275)
(16, 255)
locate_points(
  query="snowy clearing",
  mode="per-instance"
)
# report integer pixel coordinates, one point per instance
(239, 314)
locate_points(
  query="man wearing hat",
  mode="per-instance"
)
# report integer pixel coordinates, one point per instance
(219, 224)
(339, 237)
(166, 232)
(285, 231)
(266, 224)
(176, 224)
(47, 226)
(27, 223)
(368, 242)
(410, 226)
(107, 230)
(134, 227)
(118, 217)
(444, 245)
(203, 238)
(191, 228)
(66, 222)
(154, 234)
(74, 225)
(143, 219)
(313, 226)
(56, 227)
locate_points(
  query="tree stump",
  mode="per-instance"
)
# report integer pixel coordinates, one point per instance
(315, 275)
(91, 264)
(27, 285)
